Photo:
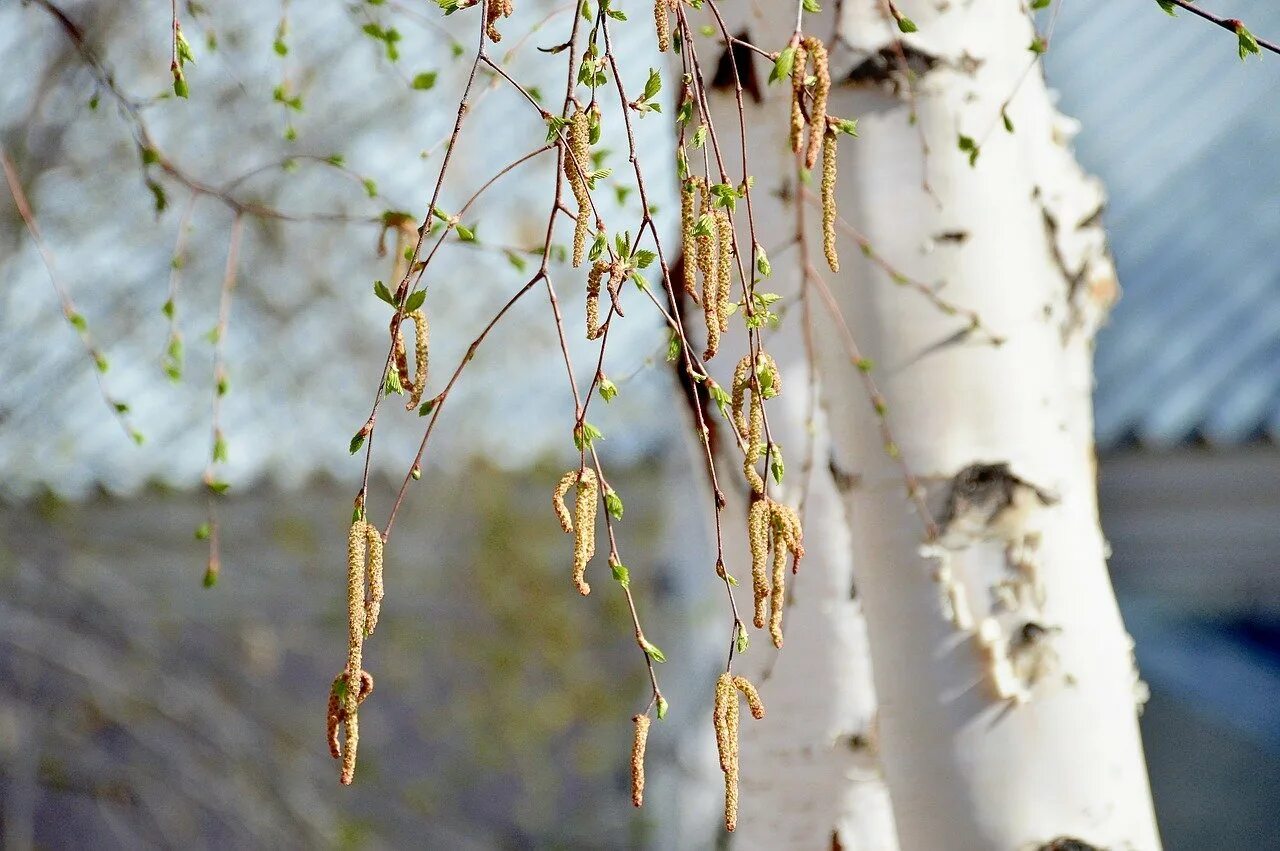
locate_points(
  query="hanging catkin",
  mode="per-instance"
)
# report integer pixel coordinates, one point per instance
(758, 541)
(829, 166)
(663, 26)
(821, 89)
(416, 385)
(724, 266)
(577, 160)
(593, 299)
(640, 738)
(725, 716)
(493, 10)
(708, 267)
(364, 543)
(689, 243)
(583, 522)
(799, 66)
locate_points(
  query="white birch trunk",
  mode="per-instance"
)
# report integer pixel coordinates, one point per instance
(974, 757)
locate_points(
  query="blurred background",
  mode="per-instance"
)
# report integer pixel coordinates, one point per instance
(139, 709)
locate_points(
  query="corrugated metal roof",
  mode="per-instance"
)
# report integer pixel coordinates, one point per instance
(1185, 137)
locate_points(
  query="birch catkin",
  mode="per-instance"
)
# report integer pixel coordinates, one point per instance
(567, 481)
(584, 540)
(593, 299)
(421, 341)
(374, 594)
(724, 267)
(829, 166)
(638, 742)
(708, 267)
(725, 716)
(576, 161)
(689, 241)
(583, 522)
(363, 543)
(798, 67)
(778, 593)
(758, 540)
(663, 26)
(493, 10)
(821, 90)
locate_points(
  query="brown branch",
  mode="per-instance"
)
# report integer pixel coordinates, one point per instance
(1232, 25)
(73, 316)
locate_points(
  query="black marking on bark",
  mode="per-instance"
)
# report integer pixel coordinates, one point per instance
(1069, 843)
(883, 69)
(956, 236)
(745, 60)
(845, 480)
(985, 496)
(1074, 280)
(1094, 219)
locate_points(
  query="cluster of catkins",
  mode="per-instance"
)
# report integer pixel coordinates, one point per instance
(364, 602)
(822, 135)
(725, 718)
(582, 525)
(416, 384)
(707, 236)
(617, 274)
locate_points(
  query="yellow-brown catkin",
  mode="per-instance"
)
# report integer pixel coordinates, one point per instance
(357, 546)
(495, 9)
(741, 381)
(577, 160)
(829, 165)
(567, 481)
(708, 267)
(725, 745)
(375, 592)
(821, 89)
(638, 742)
(724, 266)
(787, 522)
(357, 550)
(755, 446)
(593, 299)
(798, 68)
(584, 518)
(344, 697)
(758, 541)
(689, 243)
(725, 717)
(754, 703)
(663, 26)
(421, 341)
(777, 596)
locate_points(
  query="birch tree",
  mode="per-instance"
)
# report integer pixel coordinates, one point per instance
(1006, 686)
(880, 203)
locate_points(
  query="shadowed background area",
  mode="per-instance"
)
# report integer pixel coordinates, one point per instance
(138, 709)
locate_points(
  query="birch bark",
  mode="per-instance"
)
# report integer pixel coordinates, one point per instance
(1016, 727)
